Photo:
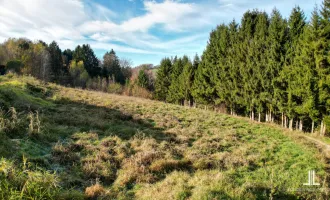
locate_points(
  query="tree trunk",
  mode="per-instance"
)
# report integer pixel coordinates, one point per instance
(270, 116)
(313, 123)
(290, 124)
(282, 120)
(266, 116)
(252, 115)
(324, 129)
(297, 124)
(321, 128)
(259, 117)
(301, 125)
(286, 122)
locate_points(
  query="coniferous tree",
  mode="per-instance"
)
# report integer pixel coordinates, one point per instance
(143, 79)
(204, 84)
(247, 31)
(262, 83)
(56, 63)
(323, 67)
(187, 79)
(111, 67)
(86, 54)
(276, 92)
(163, 80)
(175, 94)
(234, 78)
(296, 25)
(221, 69)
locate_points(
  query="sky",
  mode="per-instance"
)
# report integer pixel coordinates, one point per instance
(143, 31)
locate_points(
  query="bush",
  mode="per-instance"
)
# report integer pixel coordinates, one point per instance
(14, 66)
(137, 91)
(94, 191)
(115, 88)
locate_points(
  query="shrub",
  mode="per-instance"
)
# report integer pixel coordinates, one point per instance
(14, 66)
(94, 191)
(115, 88)
(137, 91)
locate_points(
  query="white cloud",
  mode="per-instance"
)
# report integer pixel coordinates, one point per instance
(168, 12)
(73, 22)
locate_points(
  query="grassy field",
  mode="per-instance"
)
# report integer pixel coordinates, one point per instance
(64, 143)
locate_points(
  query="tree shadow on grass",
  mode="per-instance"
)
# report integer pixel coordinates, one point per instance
(81, 117)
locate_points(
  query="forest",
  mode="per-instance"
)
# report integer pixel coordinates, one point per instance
(75, 68)
(266, 67)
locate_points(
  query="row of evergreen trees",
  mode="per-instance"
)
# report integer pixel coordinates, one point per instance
(175, 78)
(267, 67)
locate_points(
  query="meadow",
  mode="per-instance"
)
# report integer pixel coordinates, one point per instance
(65, 143)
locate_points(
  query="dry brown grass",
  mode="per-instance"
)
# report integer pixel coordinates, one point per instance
(94, 191)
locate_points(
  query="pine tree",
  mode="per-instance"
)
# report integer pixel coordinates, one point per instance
(234, 78)
(220, 76)
(262, 82)
(276, 96)
(246, 57)
(163, 80)
(86, 54)
(175, 93)
(296, 27)
(56, 63)
(111, 67)
(143, 79)
(204, 84)
(187, 79)
(323, 67)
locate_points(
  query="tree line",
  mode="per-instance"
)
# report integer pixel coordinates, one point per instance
(78, 68)
(266, 67)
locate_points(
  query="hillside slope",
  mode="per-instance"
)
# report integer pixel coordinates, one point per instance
(64, 143)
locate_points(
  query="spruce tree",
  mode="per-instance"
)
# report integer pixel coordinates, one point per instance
(276, 96)
(111, 67)
(204, 84)
(296, 27)
(56, 63)
(143, 79)
(262, 82)
(246, 57)
(186, 80)
(221, 67)
(234, 78)
(163, 80)
(175, 92)
(86, 54)
(323, 67)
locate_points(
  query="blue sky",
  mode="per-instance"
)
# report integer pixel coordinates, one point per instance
(143, 31)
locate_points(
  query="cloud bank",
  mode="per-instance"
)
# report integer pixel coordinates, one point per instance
(162, 28)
